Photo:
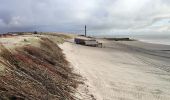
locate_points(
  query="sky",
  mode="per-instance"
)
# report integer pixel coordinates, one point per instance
(100, 16)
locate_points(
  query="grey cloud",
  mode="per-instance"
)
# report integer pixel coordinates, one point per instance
(68, 15)
(5, 16)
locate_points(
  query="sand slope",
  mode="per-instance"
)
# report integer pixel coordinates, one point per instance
(122, 71)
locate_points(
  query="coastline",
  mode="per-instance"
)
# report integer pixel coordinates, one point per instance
(163, 42)
(155, 39)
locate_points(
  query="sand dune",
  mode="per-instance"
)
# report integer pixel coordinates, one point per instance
(122, 70)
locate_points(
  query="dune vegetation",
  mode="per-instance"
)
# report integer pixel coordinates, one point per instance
(36, 73)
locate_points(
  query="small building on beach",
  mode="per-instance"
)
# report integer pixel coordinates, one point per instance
(87, 41)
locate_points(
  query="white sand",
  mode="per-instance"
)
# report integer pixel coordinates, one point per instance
(119, 72)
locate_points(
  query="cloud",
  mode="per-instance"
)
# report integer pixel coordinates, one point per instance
(71, 16)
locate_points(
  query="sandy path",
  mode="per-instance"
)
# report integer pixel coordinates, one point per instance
(120, 73)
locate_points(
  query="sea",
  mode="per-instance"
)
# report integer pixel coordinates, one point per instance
(156, 39)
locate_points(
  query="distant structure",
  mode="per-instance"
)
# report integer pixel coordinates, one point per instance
(35, 32)
(85, 31)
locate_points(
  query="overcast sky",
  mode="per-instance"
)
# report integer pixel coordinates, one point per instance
(100, 16)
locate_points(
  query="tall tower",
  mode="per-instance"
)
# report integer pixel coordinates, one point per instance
(85, 31)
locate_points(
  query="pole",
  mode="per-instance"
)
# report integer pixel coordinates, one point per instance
(85, 30)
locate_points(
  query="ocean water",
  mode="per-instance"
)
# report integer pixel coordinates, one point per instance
(156, 39)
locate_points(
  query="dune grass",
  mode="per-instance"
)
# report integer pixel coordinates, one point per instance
(37, 73)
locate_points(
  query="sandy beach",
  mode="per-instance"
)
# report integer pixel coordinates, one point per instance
(122, 70)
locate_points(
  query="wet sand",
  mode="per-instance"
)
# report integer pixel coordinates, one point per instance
(122, 70)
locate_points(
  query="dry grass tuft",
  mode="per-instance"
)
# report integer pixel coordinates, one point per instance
(37, 73)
